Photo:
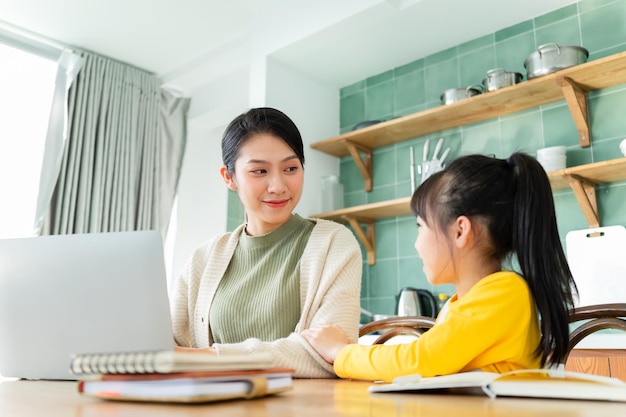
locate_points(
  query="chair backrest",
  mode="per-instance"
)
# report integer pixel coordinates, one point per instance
(395, 326)
(596, 317)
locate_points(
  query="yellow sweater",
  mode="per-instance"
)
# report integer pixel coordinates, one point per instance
(494, 327)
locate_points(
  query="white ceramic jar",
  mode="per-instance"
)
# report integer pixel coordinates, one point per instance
(332, 193)
(553, 158)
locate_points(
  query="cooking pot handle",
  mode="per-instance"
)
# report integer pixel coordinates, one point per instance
(474, 87)
(494, 72)
(548, 46)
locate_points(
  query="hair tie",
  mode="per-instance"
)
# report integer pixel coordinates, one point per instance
(511, 161)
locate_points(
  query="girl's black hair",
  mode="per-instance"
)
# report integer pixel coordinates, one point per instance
(514, 199)
(256, 121)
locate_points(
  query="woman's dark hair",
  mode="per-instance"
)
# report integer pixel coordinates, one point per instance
(256, 121)
(514, 199)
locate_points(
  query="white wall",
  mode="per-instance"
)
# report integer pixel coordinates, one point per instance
(202, 196)
(314, 108)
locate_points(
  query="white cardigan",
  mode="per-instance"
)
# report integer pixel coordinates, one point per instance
(330, 285)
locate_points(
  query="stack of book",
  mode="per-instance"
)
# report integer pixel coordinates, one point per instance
(182, 377)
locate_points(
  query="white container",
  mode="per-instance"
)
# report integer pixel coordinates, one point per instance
(553, 158)
(332, 193)
(622, 147)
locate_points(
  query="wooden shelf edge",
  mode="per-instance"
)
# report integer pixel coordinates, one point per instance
(372, 211)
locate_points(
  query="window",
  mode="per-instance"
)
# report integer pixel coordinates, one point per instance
(26, 90)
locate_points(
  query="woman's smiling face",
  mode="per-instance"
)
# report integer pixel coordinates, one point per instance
(269, 178)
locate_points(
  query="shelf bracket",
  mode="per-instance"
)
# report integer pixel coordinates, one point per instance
(585, 193)
(576, 99)
(364, 166)
(367, 238)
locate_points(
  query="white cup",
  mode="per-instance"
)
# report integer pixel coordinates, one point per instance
(552, 158)
(622, 147)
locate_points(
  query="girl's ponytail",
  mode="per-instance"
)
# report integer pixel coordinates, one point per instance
(536, 243)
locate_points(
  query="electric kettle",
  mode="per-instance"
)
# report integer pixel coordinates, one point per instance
(416, 302)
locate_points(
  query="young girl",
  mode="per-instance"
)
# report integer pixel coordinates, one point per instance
(257, 288)
(471, 217)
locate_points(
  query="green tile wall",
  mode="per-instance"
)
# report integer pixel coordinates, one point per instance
(598, 25)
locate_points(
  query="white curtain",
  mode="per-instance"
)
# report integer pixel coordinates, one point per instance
(121, 153)
(68, 66)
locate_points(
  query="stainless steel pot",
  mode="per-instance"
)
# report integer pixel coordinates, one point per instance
(452, 95)
(497, 78)
(551, 57)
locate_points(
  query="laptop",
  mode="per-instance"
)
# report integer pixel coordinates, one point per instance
(81, 293)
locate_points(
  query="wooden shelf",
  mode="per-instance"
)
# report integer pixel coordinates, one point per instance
(570, 84)
(597, 173)
(367, 214)
(582, 179)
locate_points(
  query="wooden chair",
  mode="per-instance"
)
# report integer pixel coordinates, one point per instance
(395, 326)
(596, 317)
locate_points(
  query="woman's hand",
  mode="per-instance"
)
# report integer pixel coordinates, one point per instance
(209, 350)
(326, 340)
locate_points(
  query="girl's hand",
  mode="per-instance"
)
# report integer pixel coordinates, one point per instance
(326, 340)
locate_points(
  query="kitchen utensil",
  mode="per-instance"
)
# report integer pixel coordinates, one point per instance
(452, 95)
(552, 57)
(437, 148)
(597, 259)
(497, 78)
(435, 164)
(416, 302)
(444, 155)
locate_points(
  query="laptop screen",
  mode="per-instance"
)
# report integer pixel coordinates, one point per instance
(82, 293)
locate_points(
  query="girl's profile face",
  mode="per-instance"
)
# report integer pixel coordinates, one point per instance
(268, 177)
(434, 251)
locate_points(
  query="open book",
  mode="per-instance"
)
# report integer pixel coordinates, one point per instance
(535, 383)
(164, 362)
(188, 387)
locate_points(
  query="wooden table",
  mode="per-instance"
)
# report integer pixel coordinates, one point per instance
(318, 398)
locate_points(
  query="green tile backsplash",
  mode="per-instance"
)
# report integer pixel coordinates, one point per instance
(598, 25)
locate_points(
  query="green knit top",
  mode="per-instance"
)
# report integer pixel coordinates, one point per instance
(259, 295)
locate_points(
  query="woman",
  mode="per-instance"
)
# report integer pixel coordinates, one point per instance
(472, 217)
(256, 289)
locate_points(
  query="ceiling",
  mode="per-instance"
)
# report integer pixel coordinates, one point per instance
(175, 38)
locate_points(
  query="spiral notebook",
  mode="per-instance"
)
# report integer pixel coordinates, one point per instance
(68, 294)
